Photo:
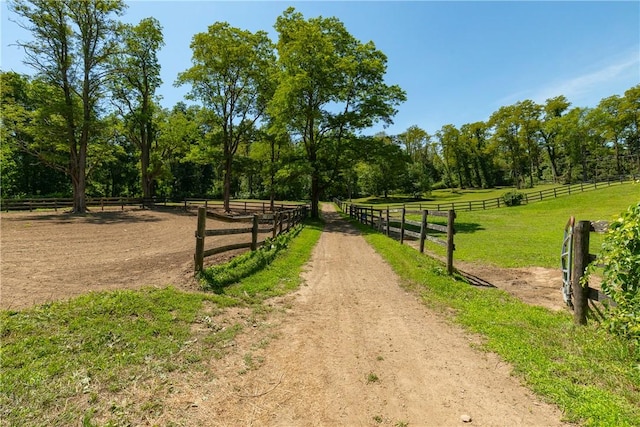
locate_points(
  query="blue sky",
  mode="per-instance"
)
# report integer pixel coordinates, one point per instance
(458, 61)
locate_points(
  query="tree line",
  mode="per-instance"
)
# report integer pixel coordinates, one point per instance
(277, 120)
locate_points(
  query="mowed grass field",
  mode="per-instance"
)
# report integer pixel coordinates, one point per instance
(520, 236)
(531, 235)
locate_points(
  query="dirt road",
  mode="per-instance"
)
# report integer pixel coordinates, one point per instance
(350, 348)
(354, 349)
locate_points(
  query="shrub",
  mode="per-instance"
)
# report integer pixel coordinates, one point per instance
(512, 198)
(620, 255)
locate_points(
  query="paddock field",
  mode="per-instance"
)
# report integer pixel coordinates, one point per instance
(47, 255)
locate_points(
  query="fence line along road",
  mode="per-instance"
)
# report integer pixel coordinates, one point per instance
(395, 221)
(280, 222)
(528, 197)
(55, 203)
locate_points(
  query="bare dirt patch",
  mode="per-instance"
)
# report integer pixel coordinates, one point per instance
(533, 285)
(48, 256)
(538, 286)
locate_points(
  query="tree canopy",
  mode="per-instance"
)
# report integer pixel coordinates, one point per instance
(290, 118)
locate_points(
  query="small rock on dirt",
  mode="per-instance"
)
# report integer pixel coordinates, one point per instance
(465, 418)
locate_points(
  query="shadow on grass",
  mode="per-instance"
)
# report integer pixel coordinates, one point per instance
(468, 227)
(218, 277)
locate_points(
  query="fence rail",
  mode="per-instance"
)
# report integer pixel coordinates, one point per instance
(528, 197)
(56, 203)
(395, 221)
(247, 207)
(279, 222)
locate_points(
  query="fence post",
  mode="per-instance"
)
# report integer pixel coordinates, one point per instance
(275, 224)
(423, 230)
(450, 245)
(402, 225)
(388, 224)
(254, 233)
(280, 216)
(380, 220)
(202, 222)
(580, 262)
(372, 225)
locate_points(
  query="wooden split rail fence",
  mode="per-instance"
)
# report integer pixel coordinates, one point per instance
(395, 221)
(275, 223)
(56, 203)
(240, 206)
(528, 196)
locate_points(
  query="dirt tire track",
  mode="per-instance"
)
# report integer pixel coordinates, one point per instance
(355, 346)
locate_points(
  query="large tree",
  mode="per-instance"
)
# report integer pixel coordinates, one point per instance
(528, 117)
(331, 86)
(549, 128)
(506, 131)
(232, 76)
(134, 82)
(72, 44)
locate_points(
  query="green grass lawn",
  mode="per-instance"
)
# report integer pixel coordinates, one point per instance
(531, 235)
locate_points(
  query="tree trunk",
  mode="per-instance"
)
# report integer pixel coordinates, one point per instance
(227, 183)
(145, 150)
(272, 176)
(79, 181)
(315, 194)
(553, 161)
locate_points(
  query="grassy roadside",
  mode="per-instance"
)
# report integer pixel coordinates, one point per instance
(79, 362)
(593, 377)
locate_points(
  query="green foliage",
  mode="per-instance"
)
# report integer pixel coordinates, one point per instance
(232, 74)
(513, 198)
(217, 277)
(620, 255)
(331, 86)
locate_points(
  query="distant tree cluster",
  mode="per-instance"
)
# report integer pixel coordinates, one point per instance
(520, 145)
(276, 120)
(526, 143)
